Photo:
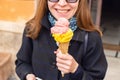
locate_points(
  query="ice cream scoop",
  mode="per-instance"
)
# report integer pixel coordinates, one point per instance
(61, 26)
(62, 38)
(61, 31)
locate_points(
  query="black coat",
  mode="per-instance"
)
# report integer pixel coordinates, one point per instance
(37, 56)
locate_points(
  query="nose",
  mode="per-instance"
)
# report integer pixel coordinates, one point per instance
(62, 2)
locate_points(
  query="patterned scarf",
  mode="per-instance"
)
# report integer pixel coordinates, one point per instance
(73, 23)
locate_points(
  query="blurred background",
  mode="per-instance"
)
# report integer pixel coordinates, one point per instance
(13, 16)
(15, 13)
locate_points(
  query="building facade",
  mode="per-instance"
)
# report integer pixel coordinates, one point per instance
(106, 14)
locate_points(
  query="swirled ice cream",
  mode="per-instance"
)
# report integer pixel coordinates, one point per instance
(61, 31)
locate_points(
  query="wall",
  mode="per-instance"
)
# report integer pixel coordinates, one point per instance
(13, 16)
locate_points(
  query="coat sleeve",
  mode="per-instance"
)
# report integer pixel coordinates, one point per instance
(94, 61)
(23, 61)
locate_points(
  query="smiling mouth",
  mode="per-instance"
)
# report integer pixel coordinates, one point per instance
(62, 11)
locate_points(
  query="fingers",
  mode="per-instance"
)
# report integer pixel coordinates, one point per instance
(65, 62)
(63, 67)
(30, 77)
(60, 55)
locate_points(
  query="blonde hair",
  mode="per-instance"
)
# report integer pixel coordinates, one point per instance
(84, 20)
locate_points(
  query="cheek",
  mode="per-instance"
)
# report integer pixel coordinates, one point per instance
(50, 5)
(74, 9)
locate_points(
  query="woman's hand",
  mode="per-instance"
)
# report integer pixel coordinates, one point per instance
(65, 62)
(30, 77)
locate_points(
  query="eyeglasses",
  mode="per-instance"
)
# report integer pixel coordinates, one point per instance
(69, 1)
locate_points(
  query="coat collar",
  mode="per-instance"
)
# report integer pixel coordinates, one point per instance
(45, 22)
(79, 34)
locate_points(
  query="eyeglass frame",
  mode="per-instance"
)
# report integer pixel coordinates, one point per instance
(69, 1)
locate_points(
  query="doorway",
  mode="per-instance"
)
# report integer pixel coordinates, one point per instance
(110, 23)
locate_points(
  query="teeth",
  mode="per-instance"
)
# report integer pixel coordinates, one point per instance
(62, 11)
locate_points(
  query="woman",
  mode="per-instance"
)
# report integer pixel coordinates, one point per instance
(39, 55)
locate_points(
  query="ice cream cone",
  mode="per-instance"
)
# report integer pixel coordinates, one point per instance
(62, 34)
(64, 47)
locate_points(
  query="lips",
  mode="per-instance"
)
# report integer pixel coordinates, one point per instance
(62, 11)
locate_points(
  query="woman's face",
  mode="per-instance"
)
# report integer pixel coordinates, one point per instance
(63, 8)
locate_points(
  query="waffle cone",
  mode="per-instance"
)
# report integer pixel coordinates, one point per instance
(64, 47)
